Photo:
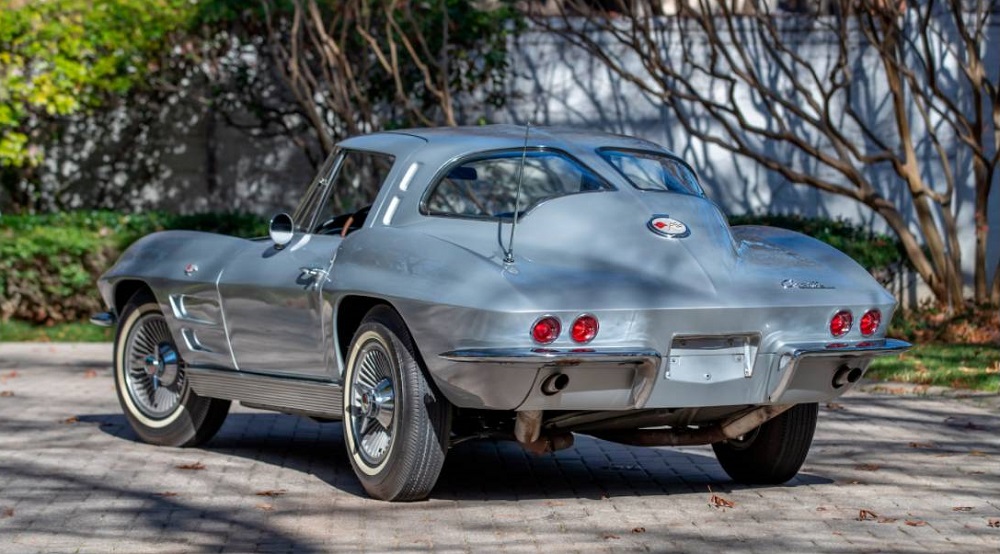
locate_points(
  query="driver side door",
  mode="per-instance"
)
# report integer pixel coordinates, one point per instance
(277, 317)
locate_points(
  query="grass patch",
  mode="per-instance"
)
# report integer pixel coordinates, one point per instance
(960, 366)
(21, 331)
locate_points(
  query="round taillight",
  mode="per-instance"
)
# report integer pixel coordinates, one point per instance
(870, 322)
(584, 328)
(546, 330)
(840, 323)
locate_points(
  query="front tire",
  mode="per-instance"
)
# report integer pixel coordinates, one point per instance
(774, 452)
(151, 385)
(396, 426)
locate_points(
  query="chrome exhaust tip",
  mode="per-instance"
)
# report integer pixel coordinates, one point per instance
(555, 383)
(845, 375)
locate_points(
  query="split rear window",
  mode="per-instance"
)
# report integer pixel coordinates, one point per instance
(486, 187)
(653, 171)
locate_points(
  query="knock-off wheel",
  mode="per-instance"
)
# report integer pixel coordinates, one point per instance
(150, 382)
(396, 426)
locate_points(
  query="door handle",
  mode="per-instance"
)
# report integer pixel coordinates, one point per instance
(313, 273)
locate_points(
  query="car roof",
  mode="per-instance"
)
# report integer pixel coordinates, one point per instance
(469, 139)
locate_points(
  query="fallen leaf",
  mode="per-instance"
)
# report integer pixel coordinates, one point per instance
(11, 375)
(962, 509)
(977, 453)
(166, 494)
(90, 374)
(916, 522)
(995, 523)
(272, 493)
(195, 466)
(607, 536)
(552, 503)
(70, 420)
(6, 393)
(719, 502)
(921, 445)
(265, 507)
(821, 508)
(867, 467)
(886, 520)
(638, 529)
(834, 407)
(864, 515)
(9, 512)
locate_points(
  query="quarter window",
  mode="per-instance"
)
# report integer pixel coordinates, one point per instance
(487, 187)
(356, 182)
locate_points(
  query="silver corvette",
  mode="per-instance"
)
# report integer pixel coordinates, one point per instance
(504, 282)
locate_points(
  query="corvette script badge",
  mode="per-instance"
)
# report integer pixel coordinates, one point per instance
(668, 227)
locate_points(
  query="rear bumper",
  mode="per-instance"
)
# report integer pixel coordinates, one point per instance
(805, 372)
(512, 378)
(880, 347)
(544, 356)
(635, 378)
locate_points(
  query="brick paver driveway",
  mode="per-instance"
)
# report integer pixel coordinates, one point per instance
(73, 478)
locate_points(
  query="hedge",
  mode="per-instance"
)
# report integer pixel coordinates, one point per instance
(873, 251)
(49, 263)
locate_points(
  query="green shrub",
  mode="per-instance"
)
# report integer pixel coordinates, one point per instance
(49, 263)
(873, 251)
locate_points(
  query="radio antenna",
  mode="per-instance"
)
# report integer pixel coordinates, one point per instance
(508, 252)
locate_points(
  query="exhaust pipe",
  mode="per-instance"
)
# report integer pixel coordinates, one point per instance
(553, 384)
(528, 432)
(845, 375)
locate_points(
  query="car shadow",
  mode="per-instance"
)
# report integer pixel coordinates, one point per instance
(475, 470)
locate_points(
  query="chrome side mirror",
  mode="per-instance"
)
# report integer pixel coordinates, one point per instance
(281, 230)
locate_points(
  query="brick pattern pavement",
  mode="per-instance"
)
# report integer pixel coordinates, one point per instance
(73, 478)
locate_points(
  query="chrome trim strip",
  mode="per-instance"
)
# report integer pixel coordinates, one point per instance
(225, 324)
(552, 355)
(104, 319)
(848, 349)
(404, 183)
(320, 398)
(390, 211)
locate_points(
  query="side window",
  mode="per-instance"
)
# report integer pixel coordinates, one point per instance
(487, 187)
(303, 215)
(355, 186)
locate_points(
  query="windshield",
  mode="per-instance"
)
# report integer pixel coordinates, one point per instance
(653, 171)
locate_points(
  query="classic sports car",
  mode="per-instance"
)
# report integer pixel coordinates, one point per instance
(503, 283)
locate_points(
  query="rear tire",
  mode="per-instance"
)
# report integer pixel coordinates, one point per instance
(396, 426)
(774, 452)
(159, 405)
